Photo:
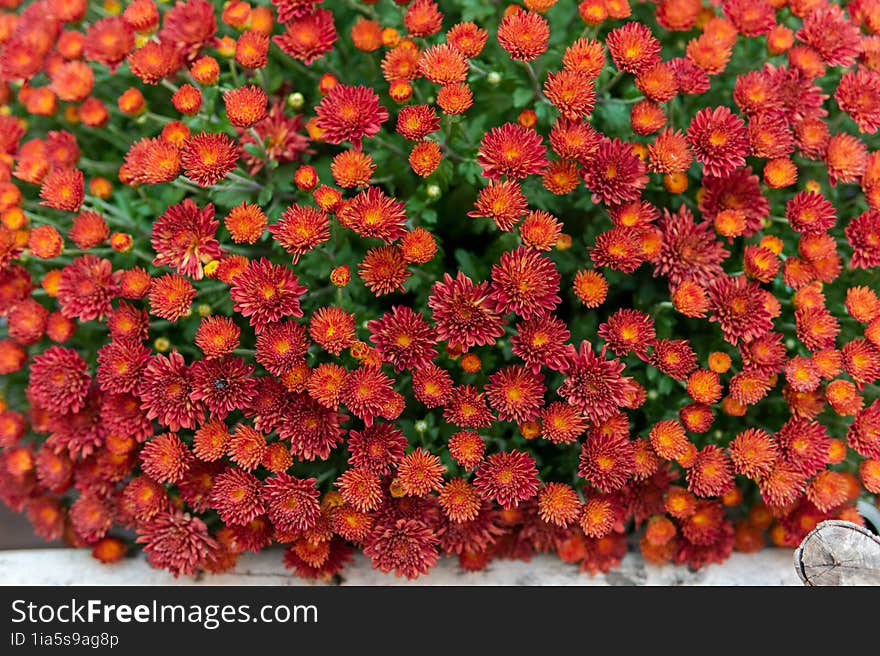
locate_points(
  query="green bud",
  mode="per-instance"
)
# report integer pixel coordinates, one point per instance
(296, 100)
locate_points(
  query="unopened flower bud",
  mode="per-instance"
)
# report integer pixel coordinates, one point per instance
(296, 100)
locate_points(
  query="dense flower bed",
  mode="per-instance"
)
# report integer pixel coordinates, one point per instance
(438, 278)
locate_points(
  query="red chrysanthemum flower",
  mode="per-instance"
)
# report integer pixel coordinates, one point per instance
(217, 336)
(816, 328)
(165, 458)
(467, 408)
(184, 238)
(300, 229)
(524, 35)
(593, 384)
(171, 297)
(586, 56)
(524, 282)
(561, 423)
(688, 250)
(864, 433)
(324, 383)
(669, 152)
(572, 92)
(516, 394)
(615, 174)
(501, 201)
(349, 113)
(109, 40)
(265, 292)
(423, 18)
(406, 546)
(420, 473)
(432, 384)
(633, 48)
(754, 453)
(309, 36)
(415, 122)
(468, 38)
(210, 441)
(350, 523)
(607, 460)
(441, 64)
(59, 381)
(332, 328)
(541, 342)
(674, 357)
(377, 448)
(245, 106)
(86, 288)
(177, 542)
(467, 449)
(463, 312)
(313, 430)
(63, 189)
(862, 304)
(863, 233)
(513, 151)
(861, 359)
(855, 95)
(120, 365)
(88, 230)
(846, 158)
(189, 25)
(750, 386)
(828, 490)
(558, 504)
(507, 478)
(280, 135)
(599, 514)
(628, 330)
(810, 213)
(739, 308)
(770, 136)
(367, 393)
(750, 18)
(360, 488)
(237, 497)
(711, 473)
(384, 270)
(352, 168)
(291, 503)
(303, 557)
(222, 384)
(719, 140)
(803, 444)
(574, 140)
(403, 338)
(540, 230)
(165, 393)
(832, 34)
(151, 161)
(459, 500)
(373, 214)
(207, 157)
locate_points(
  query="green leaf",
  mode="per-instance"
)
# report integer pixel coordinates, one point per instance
(522, 96)
(467, 264)
(265, 195)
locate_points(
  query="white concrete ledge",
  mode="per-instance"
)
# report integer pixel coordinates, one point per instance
(77, 567)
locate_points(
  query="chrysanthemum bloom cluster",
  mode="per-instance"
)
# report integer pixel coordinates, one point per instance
(427, 279)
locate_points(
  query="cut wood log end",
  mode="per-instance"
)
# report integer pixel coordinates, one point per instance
(837, 552)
